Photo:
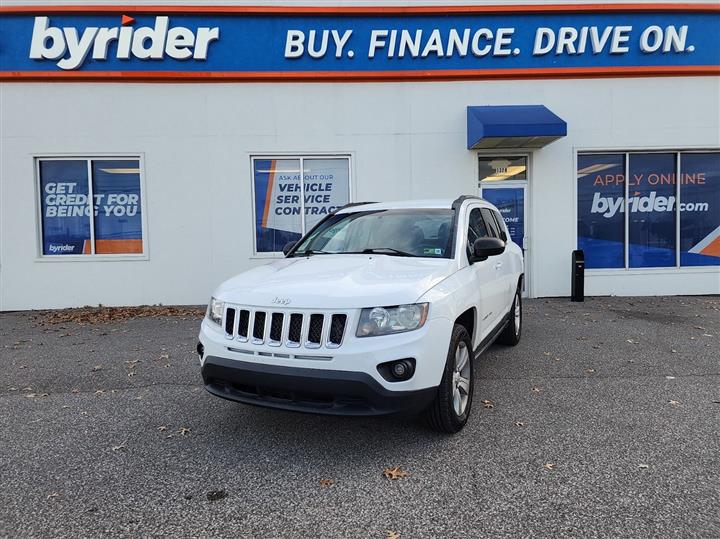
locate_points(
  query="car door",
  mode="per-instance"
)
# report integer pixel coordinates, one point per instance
(500, 264)
(490, 293)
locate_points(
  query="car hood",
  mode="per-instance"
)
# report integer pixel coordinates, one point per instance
(336, 281)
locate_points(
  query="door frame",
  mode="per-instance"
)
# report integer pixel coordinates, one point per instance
(524, 184)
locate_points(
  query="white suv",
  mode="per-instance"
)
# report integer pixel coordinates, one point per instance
(380, 308)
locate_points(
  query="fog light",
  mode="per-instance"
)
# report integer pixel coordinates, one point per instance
(399, 370)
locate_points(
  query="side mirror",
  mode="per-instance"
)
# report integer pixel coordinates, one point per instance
(288, 247)
(487, 247)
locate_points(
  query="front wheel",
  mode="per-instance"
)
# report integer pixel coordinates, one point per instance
(511, 334)
(450, 410)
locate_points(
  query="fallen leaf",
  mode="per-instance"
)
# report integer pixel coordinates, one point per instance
(99, 391)
(96, 368)
(674, 403)
(215, 495)
(121, 447)
(28, 388)
(669, 378)
(162, 428)
(326, 483)
(390, 534)
(643, 466)
(53, 495)
(589, 371)
(184, 430)
(632, 342)
(546, 353)
(549, 466)
(164, 356)
(488, 404)
(395, 473)
(29, 395)
(131, 374)
(536, 390)
(75, 391)
(519, 424)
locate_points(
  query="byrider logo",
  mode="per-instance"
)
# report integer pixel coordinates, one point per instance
(71, 48)
(609, 206)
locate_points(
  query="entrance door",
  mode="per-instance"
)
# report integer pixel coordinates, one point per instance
(503, 183)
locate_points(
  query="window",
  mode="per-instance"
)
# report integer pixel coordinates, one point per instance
(90, 206)
(285, 206)
(673, 202)
(502, 168)
(396, 232)
(491, 223)
(476, 226)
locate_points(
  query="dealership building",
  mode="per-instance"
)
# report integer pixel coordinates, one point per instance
(148, 153)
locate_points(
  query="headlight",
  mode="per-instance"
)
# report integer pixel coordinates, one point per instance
(386, 320)
(215, 311)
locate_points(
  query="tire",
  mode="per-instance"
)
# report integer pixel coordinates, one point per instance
(513, 331)
(450, 410)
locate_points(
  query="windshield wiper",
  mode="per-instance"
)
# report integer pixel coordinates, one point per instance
(308, 252)
(386, 251)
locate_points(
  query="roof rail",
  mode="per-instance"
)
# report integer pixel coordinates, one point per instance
(351, 204)
(462, 198)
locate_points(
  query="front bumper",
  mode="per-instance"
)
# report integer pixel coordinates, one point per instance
(323, 391)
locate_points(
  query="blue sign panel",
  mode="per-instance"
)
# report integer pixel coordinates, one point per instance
(511, 203)
(252, 44)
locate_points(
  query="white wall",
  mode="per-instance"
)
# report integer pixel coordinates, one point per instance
(407, 141)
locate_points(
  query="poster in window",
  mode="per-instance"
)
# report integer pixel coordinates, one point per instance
(651, 205)
(601, 217)
(326, 184)
(278, 193)
(118, 214)
(700, 209)
(65, 207)
(277, 203)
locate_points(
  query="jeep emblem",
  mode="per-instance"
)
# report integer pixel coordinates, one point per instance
(281, 301)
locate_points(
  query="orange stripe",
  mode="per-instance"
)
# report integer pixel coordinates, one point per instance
(713, 248)
(364, 10)
(268, 198)
(86, 247)
(118, 247)
(359, 76)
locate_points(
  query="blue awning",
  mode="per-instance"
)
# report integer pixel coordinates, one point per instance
(512, 126)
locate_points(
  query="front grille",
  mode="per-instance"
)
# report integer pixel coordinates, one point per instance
(259, 326)
(291, 329)
(337, 329)
(276, 325)
(315, 329)
(243, 323)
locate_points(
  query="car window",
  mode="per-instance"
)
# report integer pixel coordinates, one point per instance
(490, 222)
(501, 225)
(421, 232)
(476, 226)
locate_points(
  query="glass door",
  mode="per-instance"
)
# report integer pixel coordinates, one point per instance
(503, 182)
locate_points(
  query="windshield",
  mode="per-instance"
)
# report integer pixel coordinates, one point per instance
(406, 232)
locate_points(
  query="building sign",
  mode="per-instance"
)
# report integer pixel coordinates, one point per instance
(245, 43)
(654, 206)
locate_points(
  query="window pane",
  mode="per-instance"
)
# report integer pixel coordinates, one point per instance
(700, 209)
(277, 203)
(476, 226)
(327, 187)
(651, 202)
(118, 215)
(601, 217)
(490, 223)
(494, 169)
(65, 208)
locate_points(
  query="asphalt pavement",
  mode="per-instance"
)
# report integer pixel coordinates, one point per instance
(603, 422)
